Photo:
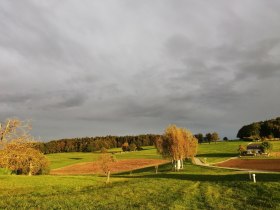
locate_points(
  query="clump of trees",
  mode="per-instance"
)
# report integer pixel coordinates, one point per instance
(212, 137)
(209, 137)
(17, 152)
(130, 147)
(177, 144)
(268, 129)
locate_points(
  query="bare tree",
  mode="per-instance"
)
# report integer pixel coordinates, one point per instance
(177, 144)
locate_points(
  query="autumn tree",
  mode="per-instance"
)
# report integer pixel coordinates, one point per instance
(125, 146)
(242, 150)
(105, 162)
(17, 152)
(177, 144)
(20, 157)
(215, 137)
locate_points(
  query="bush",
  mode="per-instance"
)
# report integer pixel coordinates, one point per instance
(103, 150)
(266, 147)
(132, 147)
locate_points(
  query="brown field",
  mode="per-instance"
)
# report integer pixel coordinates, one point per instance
(94, 167)
(266, 165)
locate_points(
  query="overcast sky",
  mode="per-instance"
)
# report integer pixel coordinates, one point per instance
(91, 67)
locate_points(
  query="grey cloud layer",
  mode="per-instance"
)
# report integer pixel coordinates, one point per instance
(122, 67)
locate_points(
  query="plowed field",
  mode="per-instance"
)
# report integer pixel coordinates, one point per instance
(266, 165)
(118, 166)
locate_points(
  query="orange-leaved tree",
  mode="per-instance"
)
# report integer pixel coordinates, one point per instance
(105, 162)
(177, 144)
(17, 149)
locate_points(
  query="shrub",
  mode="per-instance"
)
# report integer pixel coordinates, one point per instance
(103, 150)
(132, 147)
(266, 147)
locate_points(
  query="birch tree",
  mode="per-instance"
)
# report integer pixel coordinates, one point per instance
(177, 144)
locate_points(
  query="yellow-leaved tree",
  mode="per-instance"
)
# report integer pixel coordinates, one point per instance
(177, 144)
(17, 149)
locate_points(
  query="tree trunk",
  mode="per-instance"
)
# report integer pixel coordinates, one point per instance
(30, 169)
(173, 165)
(156, 167)
(182, 164)
(108, 177)
(178, 165)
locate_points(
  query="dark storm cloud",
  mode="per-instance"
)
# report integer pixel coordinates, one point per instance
(123, 67)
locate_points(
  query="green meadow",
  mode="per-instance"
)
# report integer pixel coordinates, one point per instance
(221, 151)
(195, 187)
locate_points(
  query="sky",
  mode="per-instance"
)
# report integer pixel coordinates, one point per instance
(122, 67)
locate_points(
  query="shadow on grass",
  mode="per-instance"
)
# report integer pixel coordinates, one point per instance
(161, 168)
(217, 155)
(194, 173)
(209, 178)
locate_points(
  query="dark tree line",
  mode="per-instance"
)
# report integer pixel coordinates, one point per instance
(91, 144)
(263, 129)
(209, 137)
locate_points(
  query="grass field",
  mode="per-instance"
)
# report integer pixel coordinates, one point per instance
(212, 152)
(59, 160)
(220, 151)
(194, 188)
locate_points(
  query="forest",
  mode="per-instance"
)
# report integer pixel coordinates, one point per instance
(91, 144)
(269, 129)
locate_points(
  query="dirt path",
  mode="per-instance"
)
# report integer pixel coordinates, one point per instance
(94, 167)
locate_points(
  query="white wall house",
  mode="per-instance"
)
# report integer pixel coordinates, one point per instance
(254, 149)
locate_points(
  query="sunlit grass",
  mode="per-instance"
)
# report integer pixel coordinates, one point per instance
(220, 151)
(214, 152)
(59, 160)
(193, 188)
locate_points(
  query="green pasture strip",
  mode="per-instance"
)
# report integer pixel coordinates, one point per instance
(59, 160)
(146, 153)
(220, 151)
(193, 188)
(276, 146)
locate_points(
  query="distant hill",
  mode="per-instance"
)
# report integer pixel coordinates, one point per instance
(263, 129)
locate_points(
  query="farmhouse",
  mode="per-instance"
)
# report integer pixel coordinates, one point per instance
(254, 149)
